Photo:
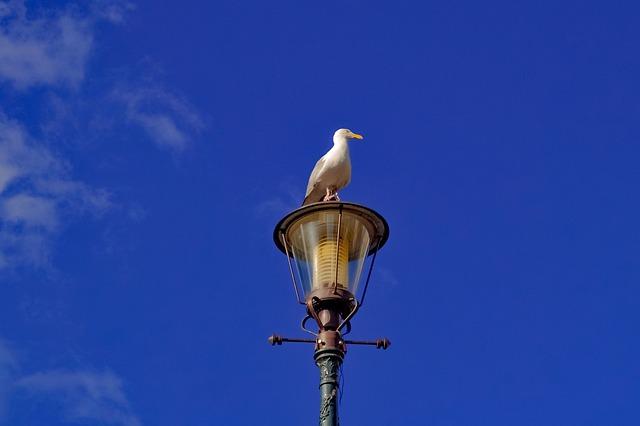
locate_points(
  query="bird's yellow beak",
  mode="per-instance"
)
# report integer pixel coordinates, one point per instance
(356, 136)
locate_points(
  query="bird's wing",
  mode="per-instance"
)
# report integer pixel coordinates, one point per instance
(315, 174)
(313, 182)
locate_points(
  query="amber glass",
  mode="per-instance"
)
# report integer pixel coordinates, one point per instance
(323, 258)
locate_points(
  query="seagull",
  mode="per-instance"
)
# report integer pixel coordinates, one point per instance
(333, 171)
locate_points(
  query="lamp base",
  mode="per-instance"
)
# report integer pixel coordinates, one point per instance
(329, 299)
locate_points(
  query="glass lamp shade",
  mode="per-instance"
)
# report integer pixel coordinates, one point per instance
(329, 243)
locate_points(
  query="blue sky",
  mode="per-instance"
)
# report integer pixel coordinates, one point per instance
(147, 149)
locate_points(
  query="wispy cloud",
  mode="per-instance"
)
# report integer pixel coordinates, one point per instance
(114, 11)
(36, 193)
(83, 395)
(168, 119)
(7, 370)
(43, 50)
(51, 47)
(285, 198)
(44, 47)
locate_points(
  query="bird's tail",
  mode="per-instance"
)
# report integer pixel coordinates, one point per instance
(313, 196)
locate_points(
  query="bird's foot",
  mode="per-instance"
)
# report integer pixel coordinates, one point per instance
(331, 196)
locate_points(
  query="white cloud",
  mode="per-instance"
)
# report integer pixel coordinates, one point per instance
(7, 361)
(8, 366)
(169, 120)
(52, 48)
(113, 11)
(84, 395)
(42, 47)
(36, 193)
(32, 211)
(43, 50)
(285, 198)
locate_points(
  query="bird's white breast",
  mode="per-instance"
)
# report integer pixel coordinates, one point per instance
(337, 167)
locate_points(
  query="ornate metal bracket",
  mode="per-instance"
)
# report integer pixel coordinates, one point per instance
(278, 340)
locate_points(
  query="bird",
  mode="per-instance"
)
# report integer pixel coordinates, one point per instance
(332, 171)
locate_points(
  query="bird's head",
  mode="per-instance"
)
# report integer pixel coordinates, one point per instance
(343, 135)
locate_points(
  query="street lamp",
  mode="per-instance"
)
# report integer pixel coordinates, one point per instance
(327, 245)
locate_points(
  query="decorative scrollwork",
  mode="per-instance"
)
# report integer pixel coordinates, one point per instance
(329, 366)
(328, 406)
(329, 370)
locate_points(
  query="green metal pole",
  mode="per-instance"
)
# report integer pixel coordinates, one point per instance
(329, 361)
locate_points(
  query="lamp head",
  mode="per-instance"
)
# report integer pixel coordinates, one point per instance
(327, 244)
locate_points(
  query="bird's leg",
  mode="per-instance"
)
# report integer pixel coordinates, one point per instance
(332, 194)
(327, 197)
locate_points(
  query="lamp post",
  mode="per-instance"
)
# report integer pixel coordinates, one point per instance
(327, 245)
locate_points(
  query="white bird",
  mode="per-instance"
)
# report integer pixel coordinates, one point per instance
(333, 171)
